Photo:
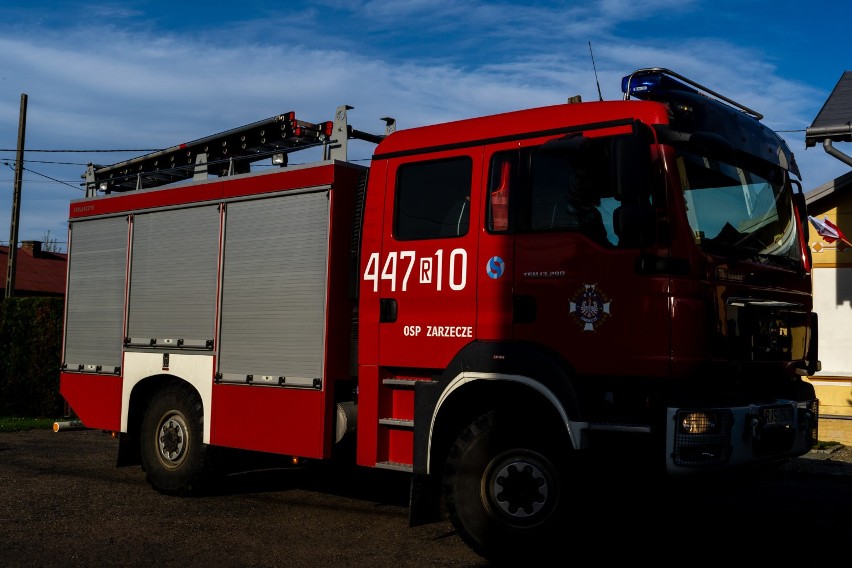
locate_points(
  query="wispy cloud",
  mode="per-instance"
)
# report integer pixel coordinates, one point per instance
(150, 74)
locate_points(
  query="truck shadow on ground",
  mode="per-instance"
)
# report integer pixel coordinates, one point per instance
(613, 490)
(249, 472)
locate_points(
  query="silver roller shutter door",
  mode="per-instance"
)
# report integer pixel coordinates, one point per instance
(173, 272)
(273, 289)
(96, 276)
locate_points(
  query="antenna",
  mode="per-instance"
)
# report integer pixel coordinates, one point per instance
(600, 96)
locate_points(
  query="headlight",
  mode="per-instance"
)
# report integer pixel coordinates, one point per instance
(697, 422)
(702, 437)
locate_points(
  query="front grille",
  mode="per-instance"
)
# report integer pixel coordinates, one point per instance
(765, 330)
(709, 446)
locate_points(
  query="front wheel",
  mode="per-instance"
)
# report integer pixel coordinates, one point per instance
(504, 486)
(173, 454)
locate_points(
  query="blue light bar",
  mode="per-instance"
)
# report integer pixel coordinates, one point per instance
(642, 84)
(655, 82)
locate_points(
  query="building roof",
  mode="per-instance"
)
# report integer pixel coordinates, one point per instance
(834, 187)
(833, 123)
(834, 120)
(37, 272)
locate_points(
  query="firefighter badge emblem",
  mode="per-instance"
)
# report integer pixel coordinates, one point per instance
(590, 306)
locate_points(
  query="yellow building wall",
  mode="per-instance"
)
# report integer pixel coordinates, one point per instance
(832, 277)
(835, 408)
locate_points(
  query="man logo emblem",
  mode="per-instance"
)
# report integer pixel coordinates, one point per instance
(495, 267)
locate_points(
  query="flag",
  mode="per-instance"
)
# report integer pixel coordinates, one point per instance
(828, 230)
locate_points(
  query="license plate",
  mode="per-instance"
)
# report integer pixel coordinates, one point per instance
(778, 416)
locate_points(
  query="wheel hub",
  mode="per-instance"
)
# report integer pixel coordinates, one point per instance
(520, 489)
(172, 439)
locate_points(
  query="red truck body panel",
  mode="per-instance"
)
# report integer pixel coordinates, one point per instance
(97, 397)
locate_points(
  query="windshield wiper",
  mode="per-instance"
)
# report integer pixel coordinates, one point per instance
(741, 253)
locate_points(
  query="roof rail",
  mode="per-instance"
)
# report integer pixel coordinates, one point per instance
(230, 152)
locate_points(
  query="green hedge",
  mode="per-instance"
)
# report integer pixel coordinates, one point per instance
(31, 340)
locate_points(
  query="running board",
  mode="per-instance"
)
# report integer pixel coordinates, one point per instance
(396, 466)
(633, 428)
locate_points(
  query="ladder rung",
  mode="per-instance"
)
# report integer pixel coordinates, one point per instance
(397, 422)
(396, 382)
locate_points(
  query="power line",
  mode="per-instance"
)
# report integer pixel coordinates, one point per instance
(83, 151)
(54, 163)
(53, 179)
(46, 176)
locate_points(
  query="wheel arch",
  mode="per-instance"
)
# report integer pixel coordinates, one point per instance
(144, 368)
(519, 377)
(138, 399)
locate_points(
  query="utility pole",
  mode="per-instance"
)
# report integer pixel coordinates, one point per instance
(16, 200)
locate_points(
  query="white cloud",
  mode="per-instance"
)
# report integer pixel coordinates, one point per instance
(117, 80)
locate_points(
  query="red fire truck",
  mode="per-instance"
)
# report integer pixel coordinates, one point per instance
(483, 308)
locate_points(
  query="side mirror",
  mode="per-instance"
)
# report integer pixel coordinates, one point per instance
(632, 165)
(634, 221)
(801, 207)
(801, 210)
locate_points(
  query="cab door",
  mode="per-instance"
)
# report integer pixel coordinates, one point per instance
(425, 271)
(576, 290)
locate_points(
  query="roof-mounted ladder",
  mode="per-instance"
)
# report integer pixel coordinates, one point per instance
(231, 152)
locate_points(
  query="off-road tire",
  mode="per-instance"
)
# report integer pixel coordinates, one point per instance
(504, 487)
(174, 457)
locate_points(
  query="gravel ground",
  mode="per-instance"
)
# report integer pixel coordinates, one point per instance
(833, 461)
(64, 503)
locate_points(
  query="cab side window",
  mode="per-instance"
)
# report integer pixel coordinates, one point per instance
(545, 189)
(566, 194)
(433, 199)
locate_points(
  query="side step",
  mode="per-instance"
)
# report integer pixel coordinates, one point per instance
(395, 466)
(396, 424)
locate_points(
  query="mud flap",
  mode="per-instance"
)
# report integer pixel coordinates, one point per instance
(128, 451)
(425, 505)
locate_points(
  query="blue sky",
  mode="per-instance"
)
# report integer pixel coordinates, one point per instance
(152, 74)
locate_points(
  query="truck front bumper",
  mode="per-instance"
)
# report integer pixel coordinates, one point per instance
(699, 439)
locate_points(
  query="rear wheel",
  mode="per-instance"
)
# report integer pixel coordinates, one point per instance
(173, 454)
(504, 487)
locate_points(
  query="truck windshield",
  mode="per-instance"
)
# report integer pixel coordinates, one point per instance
(742, 211)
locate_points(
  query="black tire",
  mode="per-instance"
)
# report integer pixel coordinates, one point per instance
(174, 457)
(504, 487)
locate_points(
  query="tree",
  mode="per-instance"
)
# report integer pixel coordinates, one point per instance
(48, 243)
